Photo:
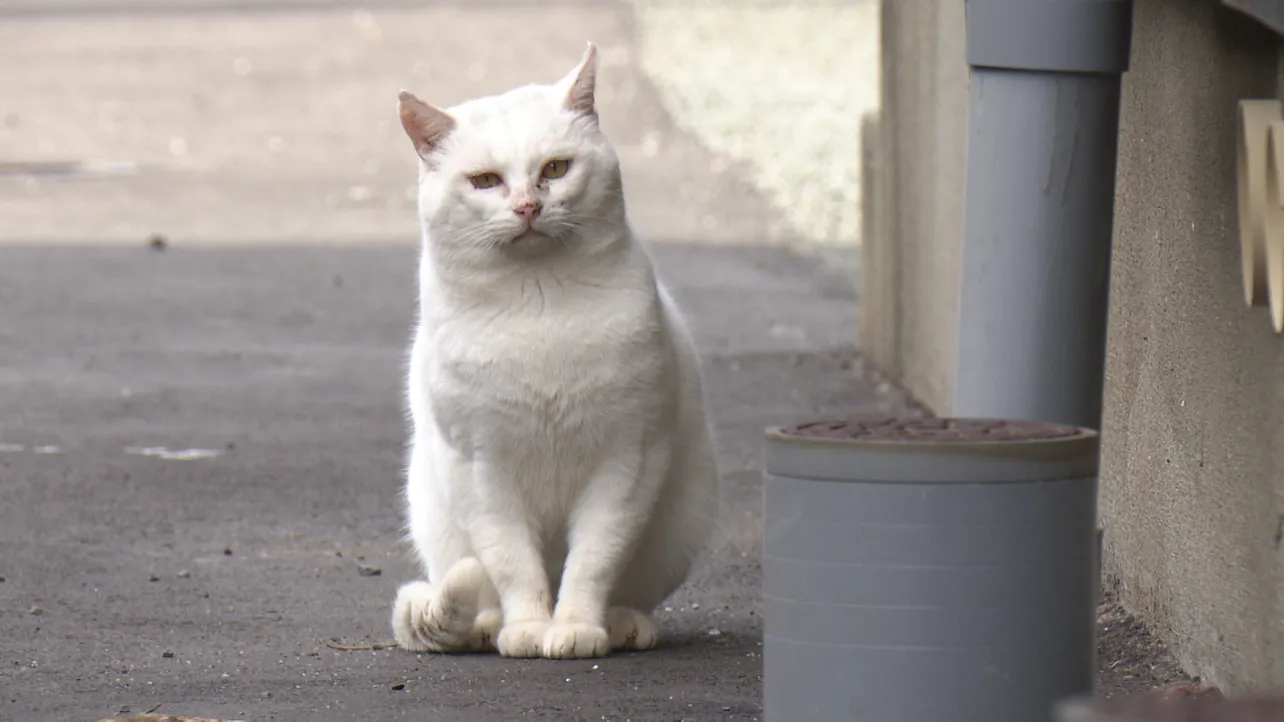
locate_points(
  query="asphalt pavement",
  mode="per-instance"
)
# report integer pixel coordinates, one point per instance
(200, 456)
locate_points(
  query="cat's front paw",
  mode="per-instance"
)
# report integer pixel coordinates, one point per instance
(408, 614)
(576, 640)
(522, 639)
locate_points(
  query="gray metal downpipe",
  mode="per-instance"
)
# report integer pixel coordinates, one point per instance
(1043, 123)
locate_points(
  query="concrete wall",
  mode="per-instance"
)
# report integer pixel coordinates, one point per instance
(1193, 435)
(1193, 431)
(911, 250)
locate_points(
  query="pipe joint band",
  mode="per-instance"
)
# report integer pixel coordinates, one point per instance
(1057, 36)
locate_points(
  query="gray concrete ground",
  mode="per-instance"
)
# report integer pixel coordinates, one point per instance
(211, 586)
(200, 448)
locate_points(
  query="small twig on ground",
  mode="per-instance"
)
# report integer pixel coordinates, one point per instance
(360, 647)
(153, 709)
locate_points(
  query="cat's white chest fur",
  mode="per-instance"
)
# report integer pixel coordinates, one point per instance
(562, 477)
(564, 367)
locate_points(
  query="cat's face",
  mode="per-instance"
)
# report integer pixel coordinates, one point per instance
(522, 172)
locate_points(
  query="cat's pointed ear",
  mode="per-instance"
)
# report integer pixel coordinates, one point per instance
(581, 84)
(427, 126)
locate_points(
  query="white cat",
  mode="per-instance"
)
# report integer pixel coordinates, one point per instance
(562, 475)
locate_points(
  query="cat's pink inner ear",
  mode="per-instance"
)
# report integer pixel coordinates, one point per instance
(582, 83)
(425, 125)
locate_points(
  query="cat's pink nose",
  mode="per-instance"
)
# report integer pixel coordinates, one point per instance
(528, 210)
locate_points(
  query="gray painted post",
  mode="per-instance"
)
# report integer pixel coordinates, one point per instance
(1043, 123)
(928, 571)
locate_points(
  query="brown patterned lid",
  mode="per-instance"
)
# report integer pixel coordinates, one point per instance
(929, 430)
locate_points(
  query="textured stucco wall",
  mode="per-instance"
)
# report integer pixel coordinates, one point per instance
(1193, 431)
(1193, 437)
(909, 312)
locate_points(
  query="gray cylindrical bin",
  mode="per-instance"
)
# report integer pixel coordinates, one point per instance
(938, 570)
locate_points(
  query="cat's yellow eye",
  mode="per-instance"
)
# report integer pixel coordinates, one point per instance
(555, 169)
(483, 181)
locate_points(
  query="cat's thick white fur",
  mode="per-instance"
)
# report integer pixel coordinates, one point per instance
(562, 475)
